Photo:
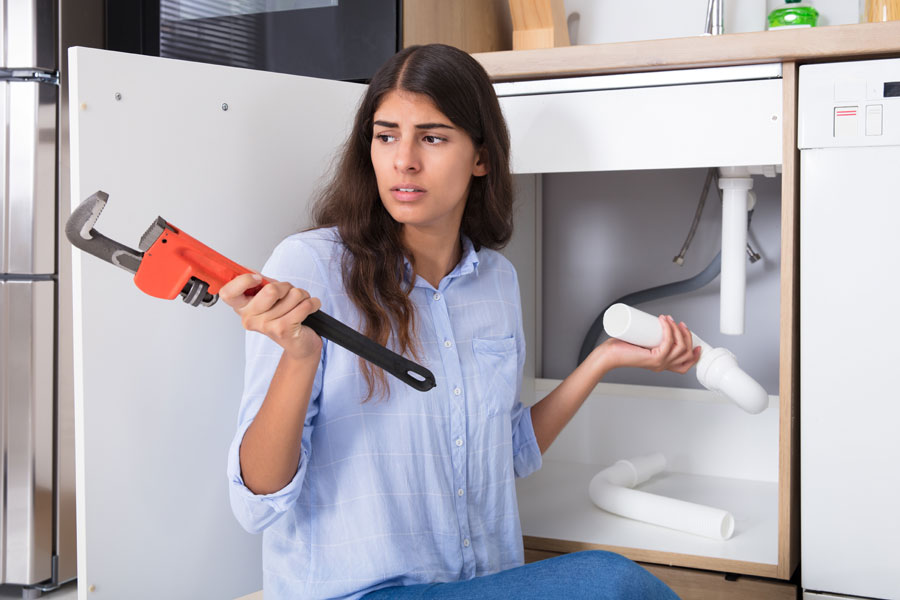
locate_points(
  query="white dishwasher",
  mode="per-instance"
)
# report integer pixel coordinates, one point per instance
(849, 138)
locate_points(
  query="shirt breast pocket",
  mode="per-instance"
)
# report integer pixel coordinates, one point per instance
(497, 367)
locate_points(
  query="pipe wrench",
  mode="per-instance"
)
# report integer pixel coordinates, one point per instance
(170, 263)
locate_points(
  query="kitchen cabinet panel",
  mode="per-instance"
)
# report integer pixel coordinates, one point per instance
(641, 124)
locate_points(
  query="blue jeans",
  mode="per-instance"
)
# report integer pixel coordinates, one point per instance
(591, 574)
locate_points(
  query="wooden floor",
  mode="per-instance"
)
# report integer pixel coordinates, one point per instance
(690, 584)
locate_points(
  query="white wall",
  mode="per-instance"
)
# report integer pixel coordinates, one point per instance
(601, 21)
(607, 234)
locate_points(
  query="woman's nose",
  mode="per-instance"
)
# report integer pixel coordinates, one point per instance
(406, 159)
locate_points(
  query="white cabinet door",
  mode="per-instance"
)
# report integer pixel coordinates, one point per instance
(231, 156)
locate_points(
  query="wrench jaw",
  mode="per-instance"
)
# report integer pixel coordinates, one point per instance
(153, 232)
(195, 291)
(81, 233)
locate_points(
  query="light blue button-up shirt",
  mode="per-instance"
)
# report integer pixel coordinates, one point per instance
(415, 488)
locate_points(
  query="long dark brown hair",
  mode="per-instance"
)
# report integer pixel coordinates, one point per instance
(372, 263)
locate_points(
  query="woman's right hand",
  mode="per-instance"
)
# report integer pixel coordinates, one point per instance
(277, 311)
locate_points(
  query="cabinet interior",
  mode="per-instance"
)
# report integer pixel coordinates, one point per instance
(585, 239)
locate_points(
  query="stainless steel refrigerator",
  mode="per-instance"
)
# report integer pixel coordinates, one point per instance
(37, 511)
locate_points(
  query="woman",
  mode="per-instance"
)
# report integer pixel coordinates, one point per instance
(365, 487)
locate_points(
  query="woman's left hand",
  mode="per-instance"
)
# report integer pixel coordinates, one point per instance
(674, 353)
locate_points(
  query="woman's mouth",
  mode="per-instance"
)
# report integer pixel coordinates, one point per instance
(406, 192)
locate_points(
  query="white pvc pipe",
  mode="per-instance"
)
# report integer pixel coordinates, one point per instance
(733, 278)
(610, 490)
(639, 328)
(717, 369)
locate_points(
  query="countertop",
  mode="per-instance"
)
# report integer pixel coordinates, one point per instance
(865, 40)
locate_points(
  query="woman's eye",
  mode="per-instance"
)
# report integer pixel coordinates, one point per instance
(385, 137)
(433, 139)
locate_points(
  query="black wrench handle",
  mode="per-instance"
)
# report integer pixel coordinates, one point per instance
(410, 373)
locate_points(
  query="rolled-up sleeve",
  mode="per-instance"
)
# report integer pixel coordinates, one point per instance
(294, 262)
(526, 452)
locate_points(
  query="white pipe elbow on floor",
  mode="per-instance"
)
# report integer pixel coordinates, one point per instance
(717, 369)
(735, 204)
(610, 489)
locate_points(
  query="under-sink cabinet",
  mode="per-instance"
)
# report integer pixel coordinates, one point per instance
(608, 171)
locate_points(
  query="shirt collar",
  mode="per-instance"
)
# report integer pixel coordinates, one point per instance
(467, 264)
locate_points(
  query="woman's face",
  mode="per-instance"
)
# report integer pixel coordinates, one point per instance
(423, 162)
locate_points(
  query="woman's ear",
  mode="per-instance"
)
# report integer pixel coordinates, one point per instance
(481, 167)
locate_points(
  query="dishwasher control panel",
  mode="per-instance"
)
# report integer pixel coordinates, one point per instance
(849, 104)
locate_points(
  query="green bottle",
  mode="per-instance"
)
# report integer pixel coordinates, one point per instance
(793, 15)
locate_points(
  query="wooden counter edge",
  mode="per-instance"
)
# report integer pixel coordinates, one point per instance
(865, 40)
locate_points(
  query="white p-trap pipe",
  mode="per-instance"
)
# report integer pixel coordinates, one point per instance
(717, 369)
(733, 278)
(610, 489)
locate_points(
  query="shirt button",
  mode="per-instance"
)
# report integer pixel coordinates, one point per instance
(459, 442)
(457, 391)
(448, 344)
(437, 296)
(460, 492)
(466, 542)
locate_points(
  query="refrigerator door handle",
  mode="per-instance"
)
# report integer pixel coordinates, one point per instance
(28, 218)
(30, 74)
